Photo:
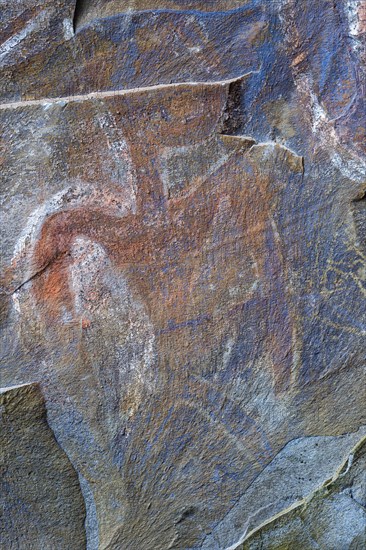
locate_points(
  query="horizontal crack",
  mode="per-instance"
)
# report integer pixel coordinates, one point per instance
(116, 93)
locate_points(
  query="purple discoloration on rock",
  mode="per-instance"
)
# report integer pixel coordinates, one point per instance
(183, 250)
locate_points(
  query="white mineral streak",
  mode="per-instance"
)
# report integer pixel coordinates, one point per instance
(79, 194)
(116, 93)
(11, 388)
(352, 9)
(68, 29)
(90, 258)
(316, 459)
(100, 296)
(120, 151)
(35, 220)
(11, 43)
(322, 126)
(246, 526)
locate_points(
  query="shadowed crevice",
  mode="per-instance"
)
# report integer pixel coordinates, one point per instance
(81, 8)
(359, 217)
(88, 10)
(232, 119)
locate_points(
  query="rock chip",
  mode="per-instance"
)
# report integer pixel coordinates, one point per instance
(41, 501)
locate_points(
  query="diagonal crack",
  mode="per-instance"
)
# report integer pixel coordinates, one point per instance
(36, 274)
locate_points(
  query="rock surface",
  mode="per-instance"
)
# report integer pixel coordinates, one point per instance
(183, 264)
(332, 517)
(41, 501)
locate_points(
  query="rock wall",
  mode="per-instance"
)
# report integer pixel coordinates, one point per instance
(334, 516)
(183, 259)
(41, 502)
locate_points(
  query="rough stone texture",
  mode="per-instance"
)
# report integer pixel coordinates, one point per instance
(88, 10)
(183, 263)
(293, 475)
(333, 517)
(41, 501)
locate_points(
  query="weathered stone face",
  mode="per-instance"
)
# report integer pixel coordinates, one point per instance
(41, 502)
(183, 254)
(334, 516)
